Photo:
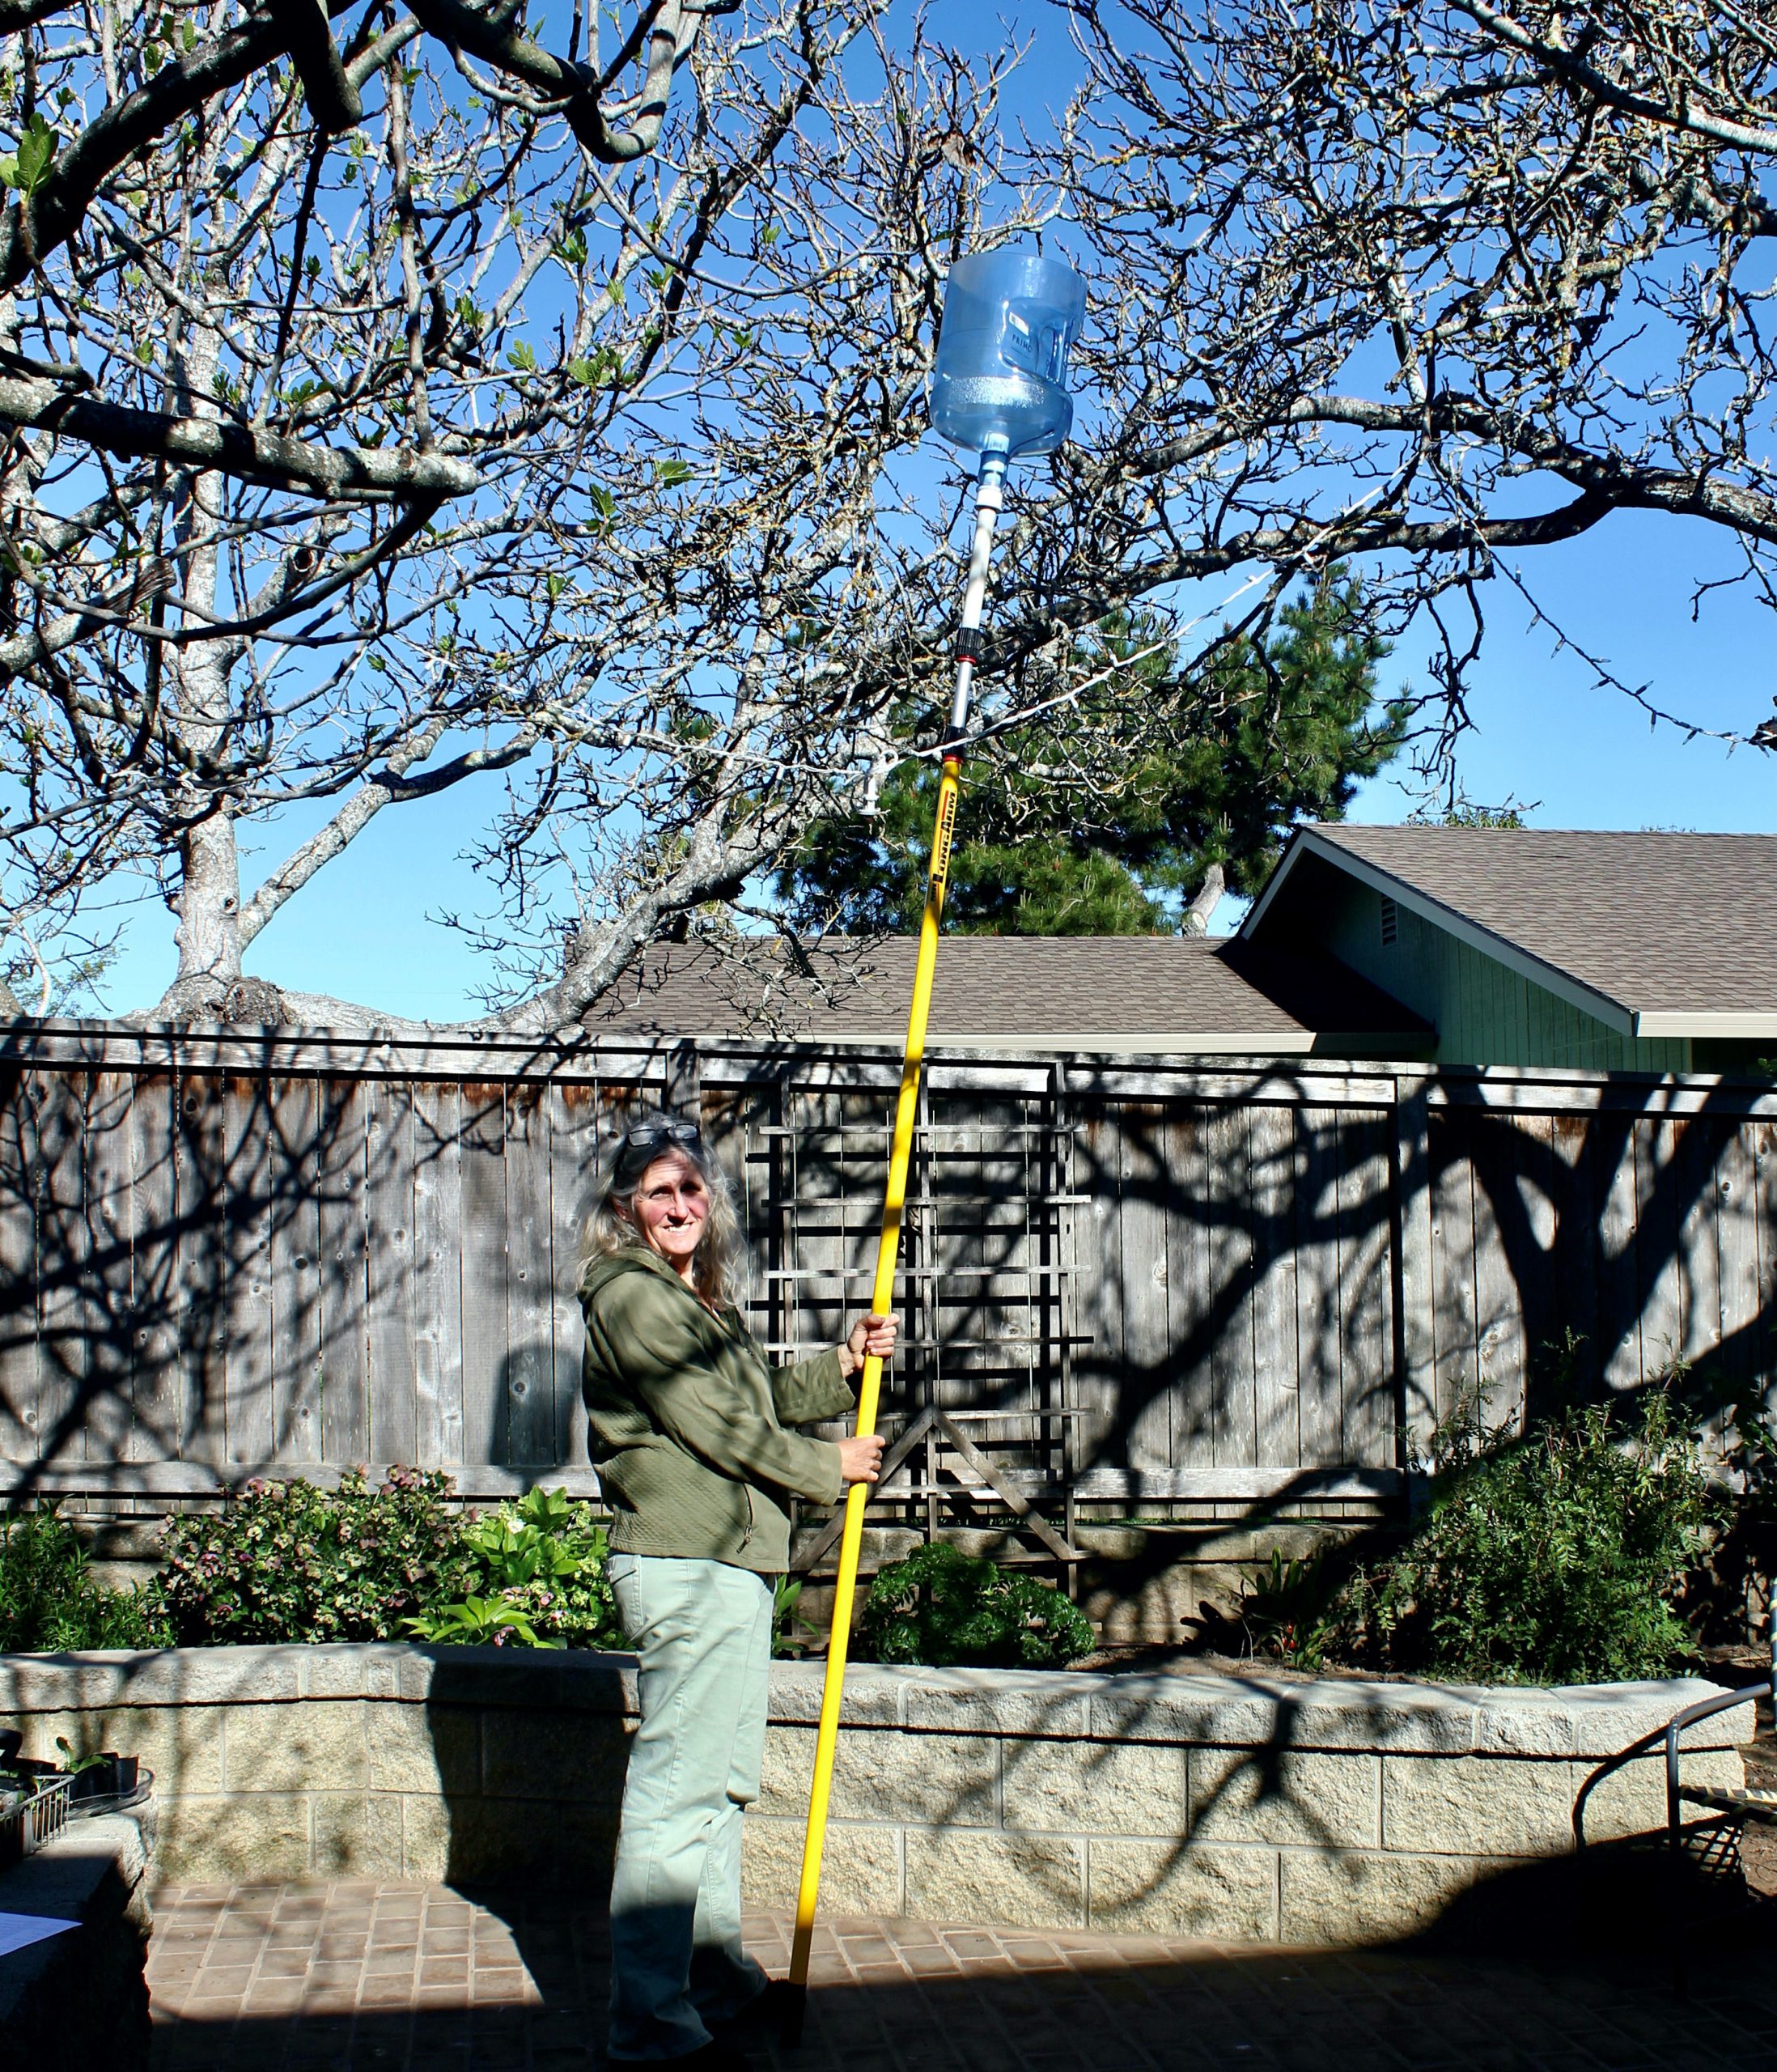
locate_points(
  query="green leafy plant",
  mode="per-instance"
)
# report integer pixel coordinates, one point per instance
(478, 1618)
(49, 1602)
(1559, 1556)
(545, 1557)
(29, 167)
(792, 1637)
(287, 1561)
(73, 1764)
(1285, 1613)
(947, 1608)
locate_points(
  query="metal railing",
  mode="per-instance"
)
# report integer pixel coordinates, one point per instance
(1670, 1737)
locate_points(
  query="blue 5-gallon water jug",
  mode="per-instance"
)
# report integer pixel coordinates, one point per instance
(1000, 384)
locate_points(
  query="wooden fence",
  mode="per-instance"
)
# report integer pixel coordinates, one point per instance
(1128, 1282)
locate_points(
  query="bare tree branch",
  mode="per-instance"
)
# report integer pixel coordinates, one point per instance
(249, 456)
(1551, 50)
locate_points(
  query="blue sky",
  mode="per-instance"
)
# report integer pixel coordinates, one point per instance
(1544, 735)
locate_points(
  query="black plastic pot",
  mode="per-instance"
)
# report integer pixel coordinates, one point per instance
(111, 1776)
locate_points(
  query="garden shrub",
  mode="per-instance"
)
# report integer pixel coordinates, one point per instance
(287, 1561)
(538, 1578)
(49, 1601)
(948, 1610)
(1555, 1558)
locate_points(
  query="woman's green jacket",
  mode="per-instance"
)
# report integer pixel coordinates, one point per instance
(688, 1418)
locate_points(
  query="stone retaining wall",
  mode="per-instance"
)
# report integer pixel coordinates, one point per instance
(1243, 1808)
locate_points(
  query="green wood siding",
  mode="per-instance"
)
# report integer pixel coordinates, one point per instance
(1485, 1012)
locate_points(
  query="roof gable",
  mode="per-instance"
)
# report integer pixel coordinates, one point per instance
(1662, 935)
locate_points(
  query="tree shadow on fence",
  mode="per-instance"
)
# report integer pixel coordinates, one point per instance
(204, 1273)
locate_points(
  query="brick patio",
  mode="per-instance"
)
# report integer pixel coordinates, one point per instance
(407, 1978)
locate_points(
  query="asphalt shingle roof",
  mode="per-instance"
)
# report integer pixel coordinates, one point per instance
(1658, 923)
(1081, 992)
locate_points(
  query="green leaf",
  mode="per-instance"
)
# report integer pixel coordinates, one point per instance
(522, 357)
(670, 474)
(28, 169)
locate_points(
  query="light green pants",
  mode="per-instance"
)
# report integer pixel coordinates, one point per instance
(703, 1631)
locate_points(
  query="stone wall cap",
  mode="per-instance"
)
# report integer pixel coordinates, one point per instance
(1214, 1708)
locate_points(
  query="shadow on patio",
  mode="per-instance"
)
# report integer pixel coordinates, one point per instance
(413, 1978)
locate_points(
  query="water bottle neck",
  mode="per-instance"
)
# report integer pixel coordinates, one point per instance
(989, 495)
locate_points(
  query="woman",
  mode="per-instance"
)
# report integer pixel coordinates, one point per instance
(688, 1434)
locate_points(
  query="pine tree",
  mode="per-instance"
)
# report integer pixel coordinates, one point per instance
(1260, 742)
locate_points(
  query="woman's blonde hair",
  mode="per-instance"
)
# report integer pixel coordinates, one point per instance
(719, 1268)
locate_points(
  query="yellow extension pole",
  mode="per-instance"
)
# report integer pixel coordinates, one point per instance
(988, 491)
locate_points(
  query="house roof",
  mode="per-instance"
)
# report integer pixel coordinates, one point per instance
(1141, 993)
(1661, 934)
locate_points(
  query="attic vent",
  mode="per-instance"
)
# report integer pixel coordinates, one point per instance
(1391, 921)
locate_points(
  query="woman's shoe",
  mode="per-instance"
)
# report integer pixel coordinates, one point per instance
(764, 2012)
(714, 2055)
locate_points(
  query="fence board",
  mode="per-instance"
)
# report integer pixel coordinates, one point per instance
(1102, 1360)
(339, 1180)
(293, 1186)
(1656, 1243)
(1147, 1422)
(1276, 1358)
(18, 1267)
(1569, 1335)
(486, 1433)
(1372, 1407)
(1525, 1193)
(155, 1406)
(1500, 1335)
(1763, 1138)
(1319, 1302)
(1737, 1254)
(1189, 1292)
(1236, 1427)
(530, 1303)
(1696, 1161)
(64, 1250)
(249, 1419)
(110, 1294)
(393, 1384)
(1619, 1297)
(437, 1301)
(573, 1114)
(1456, 1356)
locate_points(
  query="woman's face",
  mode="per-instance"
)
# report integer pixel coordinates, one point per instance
(671, 1206)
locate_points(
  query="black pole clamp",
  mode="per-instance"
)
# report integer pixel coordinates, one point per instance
(970, 645)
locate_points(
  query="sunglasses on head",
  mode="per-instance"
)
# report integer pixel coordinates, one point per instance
(643, 1142)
